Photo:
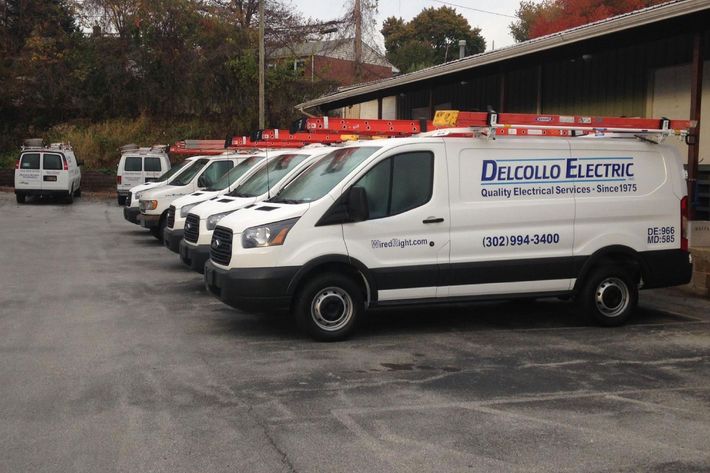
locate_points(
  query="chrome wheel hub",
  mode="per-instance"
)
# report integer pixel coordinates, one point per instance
(331, 309)
(612, 297)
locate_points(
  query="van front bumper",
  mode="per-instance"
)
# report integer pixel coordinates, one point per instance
(149, 221)
(172, 238)
(194, 256)
(131, 214)
(237, 287)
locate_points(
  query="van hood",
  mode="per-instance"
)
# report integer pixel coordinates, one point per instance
(194, 198)
(221, 204)
(162, 191)
(148, 185)
(261, 214)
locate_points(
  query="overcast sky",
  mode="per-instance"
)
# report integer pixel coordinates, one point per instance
(493, 27)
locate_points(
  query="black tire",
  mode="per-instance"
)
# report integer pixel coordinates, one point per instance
(20, 197)
(609, 296)
(121, 200)
(70, 197)
(158, 232)
(77, 193)
(329, 306)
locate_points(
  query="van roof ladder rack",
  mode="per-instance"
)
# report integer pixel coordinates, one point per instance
(492, 123)
(561, 125)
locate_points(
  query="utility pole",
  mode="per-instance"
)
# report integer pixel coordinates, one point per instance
(262, 114)
(358, 41)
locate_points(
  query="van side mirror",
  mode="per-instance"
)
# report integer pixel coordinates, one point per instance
(358, 207)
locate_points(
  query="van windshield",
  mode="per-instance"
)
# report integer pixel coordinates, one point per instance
(185, 177)
(320, 178)
(178, 168)
(267, 176)
(235, 173)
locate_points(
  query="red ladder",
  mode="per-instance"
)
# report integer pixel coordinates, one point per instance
(497, 123)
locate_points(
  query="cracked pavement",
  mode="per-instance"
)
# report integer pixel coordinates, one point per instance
(115, 359)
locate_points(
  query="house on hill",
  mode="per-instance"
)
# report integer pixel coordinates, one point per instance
(332, 60)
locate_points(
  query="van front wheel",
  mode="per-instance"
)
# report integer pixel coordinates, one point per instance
(609, 296)
(329, 306)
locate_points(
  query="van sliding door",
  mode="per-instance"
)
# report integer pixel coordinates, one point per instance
(512, 218)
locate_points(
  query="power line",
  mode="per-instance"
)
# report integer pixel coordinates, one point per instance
(474, 9)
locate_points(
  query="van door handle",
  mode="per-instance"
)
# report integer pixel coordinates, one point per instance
(433, 220)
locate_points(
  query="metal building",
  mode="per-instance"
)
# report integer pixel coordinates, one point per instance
(648, 63)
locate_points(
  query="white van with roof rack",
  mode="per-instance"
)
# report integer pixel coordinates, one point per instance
(177, 212)
(199, 174)
(261, 183)
(131, 209)
(440, 219)
(138, 166)
(47, 171)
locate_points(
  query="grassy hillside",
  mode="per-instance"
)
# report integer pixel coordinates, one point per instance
(98, 143)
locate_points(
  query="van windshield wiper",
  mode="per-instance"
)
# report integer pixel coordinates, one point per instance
(281, 200)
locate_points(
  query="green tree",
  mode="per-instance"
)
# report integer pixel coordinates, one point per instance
(429, 38)
(528, 12)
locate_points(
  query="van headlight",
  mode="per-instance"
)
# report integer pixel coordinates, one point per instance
(212, 220)
(185, 209)
(271, 234)
(148, 204)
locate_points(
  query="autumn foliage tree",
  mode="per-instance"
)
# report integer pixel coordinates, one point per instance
(537, 19)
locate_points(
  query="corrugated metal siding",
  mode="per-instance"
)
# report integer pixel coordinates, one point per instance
(611, 81)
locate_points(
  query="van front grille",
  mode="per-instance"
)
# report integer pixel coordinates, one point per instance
(171, 216)
(221, 247)
(192, 228)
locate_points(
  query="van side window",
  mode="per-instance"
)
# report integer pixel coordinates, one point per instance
(399, 183)
(133, 163)
(30, 161)
(215, 171)
(52, 162)
(152, 164)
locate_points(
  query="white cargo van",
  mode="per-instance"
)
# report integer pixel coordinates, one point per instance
(201, 173)
(47, 171)
(132, 210)
(263, 182)
(138, 166)
(441, 219)
(177, 212)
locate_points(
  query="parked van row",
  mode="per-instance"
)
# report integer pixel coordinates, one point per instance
(329, 232)
(47, 171)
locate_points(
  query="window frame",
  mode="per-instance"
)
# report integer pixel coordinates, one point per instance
(156, 158)
(62, 160)
(125, 164)
(391, 159)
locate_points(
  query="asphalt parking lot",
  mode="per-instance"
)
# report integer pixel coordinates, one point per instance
(114, 358)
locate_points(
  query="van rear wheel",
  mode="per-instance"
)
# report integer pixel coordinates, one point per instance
(77, 193)
(121, 199)
(70, 197)
(609, 296)
(20, 197)
(329, 306)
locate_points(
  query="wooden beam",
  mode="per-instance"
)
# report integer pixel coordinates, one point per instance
(696, 97)
(538, 97)
(501, 105)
